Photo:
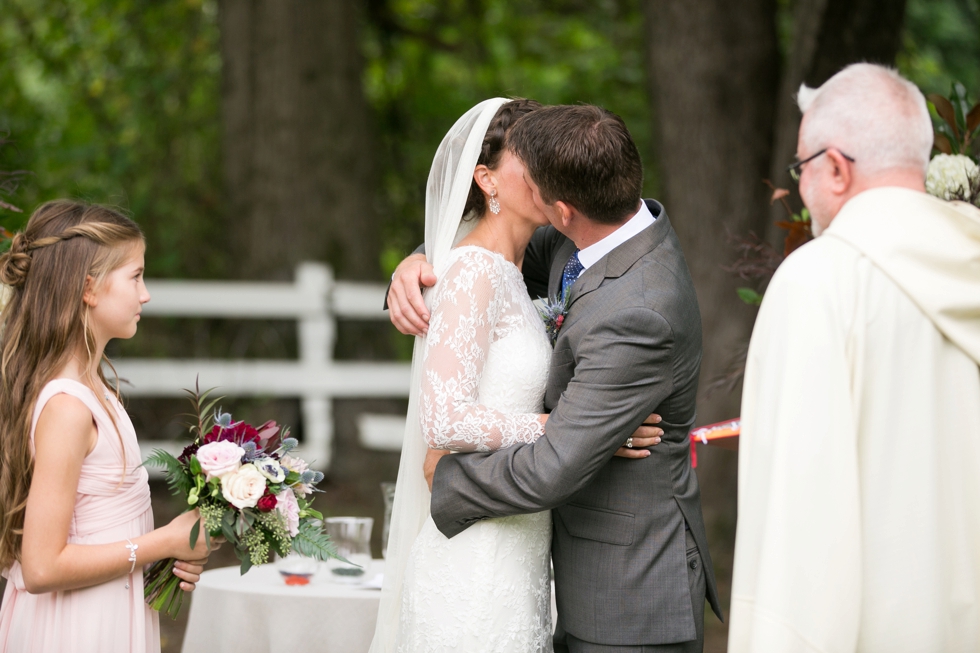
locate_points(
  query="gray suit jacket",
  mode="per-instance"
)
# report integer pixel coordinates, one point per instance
(630, 345)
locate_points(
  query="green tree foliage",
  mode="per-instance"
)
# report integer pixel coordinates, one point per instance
(118, 102)
(941, 45)
(428, 61)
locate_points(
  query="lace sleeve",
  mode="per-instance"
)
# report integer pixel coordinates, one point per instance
(465, 310)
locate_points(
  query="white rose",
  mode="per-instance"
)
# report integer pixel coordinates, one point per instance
(5, 292)
(949, 176)
(220, 458)
(243, 488)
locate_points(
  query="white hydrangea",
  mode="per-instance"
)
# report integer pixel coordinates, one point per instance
(949, 176)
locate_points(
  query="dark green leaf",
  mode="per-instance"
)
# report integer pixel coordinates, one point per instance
(195, 531)
(228, 527)
(314, 513)
(245, 558)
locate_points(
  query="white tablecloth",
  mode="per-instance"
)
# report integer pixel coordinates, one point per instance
(258, 612)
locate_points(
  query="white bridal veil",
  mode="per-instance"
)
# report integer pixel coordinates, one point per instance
(445, 197)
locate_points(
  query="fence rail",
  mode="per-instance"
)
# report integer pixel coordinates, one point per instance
(315, 300)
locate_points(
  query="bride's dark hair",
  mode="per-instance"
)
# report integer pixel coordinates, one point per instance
(493, 147)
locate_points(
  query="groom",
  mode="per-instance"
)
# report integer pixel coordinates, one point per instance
(629, 546)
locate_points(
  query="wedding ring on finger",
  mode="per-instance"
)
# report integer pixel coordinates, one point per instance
(629, 442)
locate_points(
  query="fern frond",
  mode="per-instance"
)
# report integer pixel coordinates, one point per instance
(312, 542)
(178, 479)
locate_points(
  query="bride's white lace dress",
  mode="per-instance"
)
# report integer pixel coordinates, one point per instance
(485, 367)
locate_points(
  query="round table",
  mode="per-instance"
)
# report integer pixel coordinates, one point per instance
(231, 613)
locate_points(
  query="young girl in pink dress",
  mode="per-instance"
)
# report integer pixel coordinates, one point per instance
(76, 527)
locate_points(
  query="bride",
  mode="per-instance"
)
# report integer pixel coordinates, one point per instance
(478, 384)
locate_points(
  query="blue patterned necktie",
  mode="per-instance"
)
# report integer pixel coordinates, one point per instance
(573, 269)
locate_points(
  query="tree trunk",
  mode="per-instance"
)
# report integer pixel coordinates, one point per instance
(828, 35)
(725, 119)
(298, 153)
(714, 74)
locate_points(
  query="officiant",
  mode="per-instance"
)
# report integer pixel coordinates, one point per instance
(859, 491)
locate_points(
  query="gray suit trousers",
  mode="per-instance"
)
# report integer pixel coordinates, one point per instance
(565, 643)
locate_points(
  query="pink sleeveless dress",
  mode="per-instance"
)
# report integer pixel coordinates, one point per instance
(106, 618)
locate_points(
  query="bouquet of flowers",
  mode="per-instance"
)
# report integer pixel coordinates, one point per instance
(248, 488)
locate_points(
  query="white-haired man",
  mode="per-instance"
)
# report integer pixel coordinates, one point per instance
(859, 470)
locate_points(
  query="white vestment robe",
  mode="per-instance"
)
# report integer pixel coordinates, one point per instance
(859, 461)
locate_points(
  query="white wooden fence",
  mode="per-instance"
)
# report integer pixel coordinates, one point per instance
(315, 300)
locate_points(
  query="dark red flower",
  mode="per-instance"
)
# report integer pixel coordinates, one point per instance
(267, 502)
(239, 433)
(189, 450)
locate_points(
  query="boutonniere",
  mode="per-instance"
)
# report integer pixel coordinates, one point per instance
(553, 311)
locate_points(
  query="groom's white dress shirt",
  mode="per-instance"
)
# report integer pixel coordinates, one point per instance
(590, 255)
(859, 461)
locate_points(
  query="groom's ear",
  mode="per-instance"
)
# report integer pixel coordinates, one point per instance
(565, 212)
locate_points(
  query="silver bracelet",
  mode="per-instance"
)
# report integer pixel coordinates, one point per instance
(132, 554)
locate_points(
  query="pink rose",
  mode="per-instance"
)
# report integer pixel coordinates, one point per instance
(299, 466)
(288, 506)
(220, 458)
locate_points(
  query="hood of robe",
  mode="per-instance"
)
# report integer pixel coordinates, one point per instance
(929, 247)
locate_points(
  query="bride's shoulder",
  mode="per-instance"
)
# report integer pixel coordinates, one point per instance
(476, 259)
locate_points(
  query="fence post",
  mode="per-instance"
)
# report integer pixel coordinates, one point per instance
(317, 331)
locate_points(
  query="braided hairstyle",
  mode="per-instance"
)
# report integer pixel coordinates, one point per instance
(44, 322)
(493, 147)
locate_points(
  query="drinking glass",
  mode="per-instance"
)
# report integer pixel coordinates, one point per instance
(388, 491)
(296, 569)
(352, 537)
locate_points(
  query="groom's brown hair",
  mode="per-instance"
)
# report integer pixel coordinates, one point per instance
(582, 155)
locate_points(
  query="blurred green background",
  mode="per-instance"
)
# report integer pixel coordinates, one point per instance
(246, 135)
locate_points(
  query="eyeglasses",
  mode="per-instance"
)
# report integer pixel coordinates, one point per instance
(796, 169)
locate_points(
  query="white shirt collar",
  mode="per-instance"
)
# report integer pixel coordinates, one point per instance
(591, 254)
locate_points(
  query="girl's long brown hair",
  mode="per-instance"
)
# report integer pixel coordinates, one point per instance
(43, 324)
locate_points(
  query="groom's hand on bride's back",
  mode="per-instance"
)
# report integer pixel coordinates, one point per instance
(648, 435)
(405, 305)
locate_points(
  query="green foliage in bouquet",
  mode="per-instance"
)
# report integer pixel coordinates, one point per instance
(248, 489)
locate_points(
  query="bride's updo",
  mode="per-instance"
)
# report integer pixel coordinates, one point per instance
(493, 147)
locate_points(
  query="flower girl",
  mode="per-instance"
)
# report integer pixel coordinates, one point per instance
(76, 526)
